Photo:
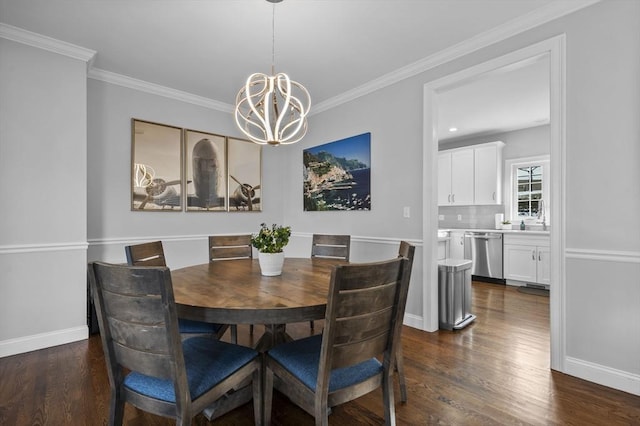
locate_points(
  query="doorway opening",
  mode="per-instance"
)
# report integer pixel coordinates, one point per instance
(553, 50)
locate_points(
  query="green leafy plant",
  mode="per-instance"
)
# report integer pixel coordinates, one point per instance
(271, 240)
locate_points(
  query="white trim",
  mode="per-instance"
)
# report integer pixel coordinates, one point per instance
(604, 255)
(555, 48)
(34, 248)
(156, 89)
(46, 43)
(551, 11)
(413, 321)
(354, 238)
(43, 340)
(603, 375)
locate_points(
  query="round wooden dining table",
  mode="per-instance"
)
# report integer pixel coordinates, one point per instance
(235, 292)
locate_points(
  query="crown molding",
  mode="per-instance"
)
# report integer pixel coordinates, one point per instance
(156, 89)
(553, 10)
(46, 43)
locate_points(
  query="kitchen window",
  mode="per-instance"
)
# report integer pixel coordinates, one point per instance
(528, 189)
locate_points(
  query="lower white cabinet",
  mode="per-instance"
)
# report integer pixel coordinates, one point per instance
(443, 249)
(456, 244)
(526, 258)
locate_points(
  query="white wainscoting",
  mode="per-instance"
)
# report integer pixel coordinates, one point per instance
(603, 317)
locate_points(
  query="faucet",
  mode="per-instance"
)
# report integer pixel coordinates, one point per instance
(541, 214)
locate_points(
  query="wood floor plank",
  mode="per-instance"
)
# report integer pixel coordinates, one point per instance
(493, 372)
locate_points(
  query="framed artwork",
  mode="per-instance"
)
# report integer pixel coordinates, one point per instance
(205, 171)
(156, 167)
(337, 175)
(245, 175)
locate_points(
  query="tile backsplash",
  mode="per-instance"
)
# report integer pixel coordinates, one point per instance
(472, 217)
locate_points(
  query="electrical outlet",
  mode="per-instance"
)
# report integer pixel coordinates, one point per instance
(441, 217)
(459, 217)
(406, 212)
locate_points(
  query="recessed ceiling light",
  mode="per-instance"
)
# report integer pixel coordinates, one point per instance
(453, 129)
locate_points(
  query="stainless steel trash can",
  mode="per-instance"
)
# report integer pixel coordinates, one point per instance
(454, 290)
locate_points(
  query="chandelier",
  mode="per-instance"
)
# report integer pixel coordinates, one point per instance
(272, 109)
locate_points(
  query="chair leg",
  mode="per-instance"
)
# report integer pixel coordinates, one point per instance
(401, 378)
(267, 396)
(116, 410)
(234, 334)
(389, 403)
(258, 403)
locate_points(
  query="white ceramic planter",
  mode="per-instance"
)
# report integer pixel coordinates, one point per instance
(271, 263)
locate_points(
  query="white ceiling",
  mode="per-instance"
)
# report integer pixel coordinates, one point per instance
(209, 47)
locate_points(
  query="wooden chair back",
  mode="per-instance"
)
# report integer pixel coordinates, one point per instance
(146, 254)
(364, 311)
(139, 325)
(331, 246)
(227, 247)
(407, 251)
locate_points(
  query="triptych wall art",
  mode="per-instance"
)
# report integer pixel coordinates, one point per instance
(176, 169)
(337, 175)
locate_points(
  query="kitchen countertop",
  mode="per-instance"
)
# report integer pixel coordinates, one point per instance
(503, 231)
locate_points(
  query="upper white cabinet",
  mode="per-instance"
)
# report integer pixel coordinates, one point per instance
(488, 173)
(455, 177)
(470, 175)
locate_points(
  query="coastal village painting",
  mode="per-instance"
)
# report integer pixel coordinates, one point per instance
(337, 175)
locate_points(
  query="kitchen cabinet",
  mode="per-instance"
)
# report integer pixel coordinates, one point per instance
(470, 175)
(456, 244)
(455, 177)
(526, 258)
(443, 249)
(487, 161)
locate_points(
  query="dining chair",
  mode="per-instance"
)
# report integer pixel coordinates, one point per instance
(150, 366)
(227, 247)
(332, 247)
(230, 247)
(152, 254)
(407, 251)
(355, 353)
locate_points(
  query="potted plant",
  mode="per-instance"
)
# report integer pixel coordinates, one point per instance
(270, 242)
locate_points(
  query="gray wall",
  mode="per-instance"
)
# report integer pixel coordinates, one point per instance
(112, 224)
(602, 198)
(601, 238)
(43, 191)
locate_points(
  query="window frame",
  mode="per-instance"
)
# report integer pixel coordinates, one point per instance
(511, 187)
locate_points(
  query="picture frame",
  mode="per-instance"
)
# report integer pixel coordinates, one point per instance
(205, 166)
(244, 165)
(337, 175)
(156, 167)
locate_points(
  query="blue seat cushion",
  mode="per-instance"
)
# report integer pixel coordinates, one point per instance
(199, 327)
(302, 357)
(207, 361)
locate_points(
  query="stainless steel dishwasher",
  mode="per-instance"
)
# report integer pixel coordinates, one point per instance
(484, 249)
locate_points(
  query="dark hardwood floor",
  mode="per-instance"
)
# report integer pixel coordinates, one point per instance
(494, 372)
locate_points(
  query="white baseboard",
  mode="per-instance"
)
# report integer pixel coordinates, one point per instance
(606, 376)
(43, 340)
(413, 321)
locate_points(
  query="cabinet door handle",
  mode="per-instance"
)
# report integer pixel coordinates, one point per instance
(449, 198)
(540, 257)
(453, 198)
(533, 255)
(494, 196)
